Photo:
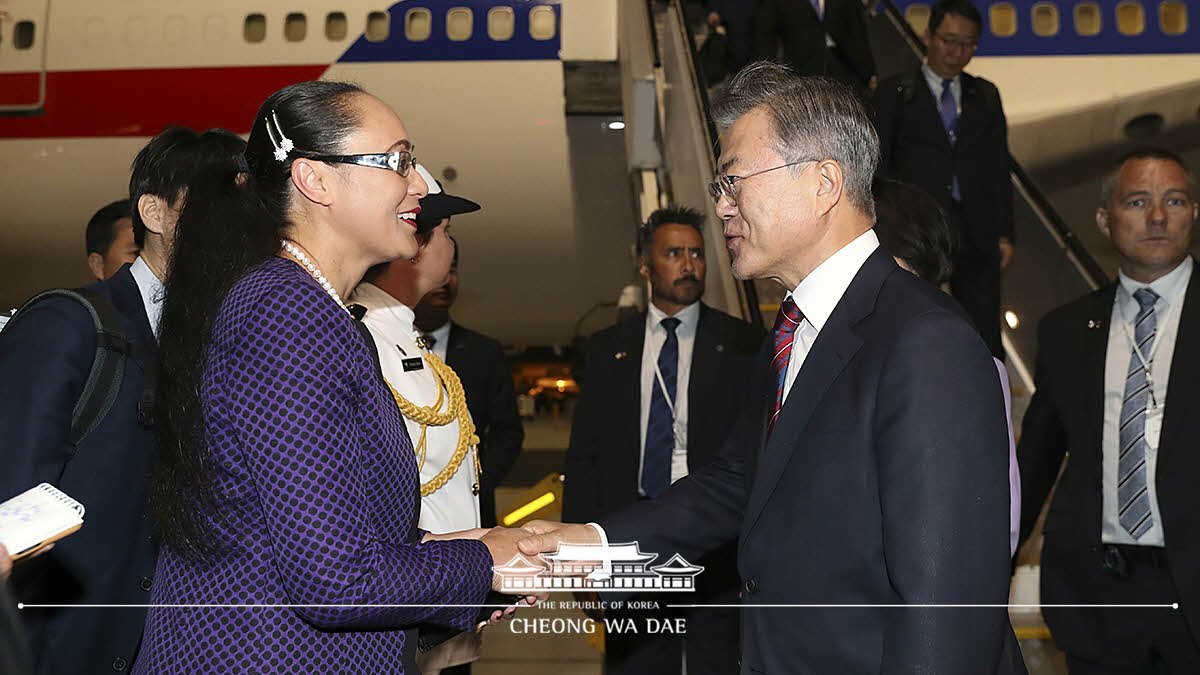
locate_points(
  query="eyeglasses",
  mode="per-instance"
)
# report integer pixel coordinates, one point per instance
(966, 45)
(400, 161)
(727, 186)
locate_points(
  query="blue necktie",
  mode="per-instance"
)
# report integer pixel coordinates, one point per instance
(1133, 494)
(817, 7)
(660, 428)
(948, 109)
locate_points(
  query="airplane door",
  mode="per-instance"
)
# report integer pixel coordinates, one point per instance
(23, 55)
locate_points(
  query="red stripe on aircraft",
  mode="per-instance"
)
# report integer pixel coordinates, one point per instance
(19, 88)
(140, 102)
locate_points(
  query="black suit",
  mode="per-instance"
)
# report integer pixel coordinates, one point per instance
(45, 357)
(1066, 415)
(795, 23)
(603, 460)
(885, 481)
(916, 149)
(479, 362)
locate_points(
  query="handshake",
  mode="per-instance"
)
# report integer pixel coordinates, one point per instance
(506, 543)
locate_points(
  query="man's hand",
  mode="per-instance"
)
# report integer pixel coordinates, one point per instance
(1006, 252)
(502, 544)
(547, 535)
(873, 83)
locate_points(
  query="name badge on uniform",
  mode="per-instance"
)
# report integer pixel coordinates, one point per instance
(415, 363)
(1154, 420)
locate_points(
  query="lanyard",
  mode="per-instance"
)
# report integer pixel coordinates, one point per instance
(1145, 362)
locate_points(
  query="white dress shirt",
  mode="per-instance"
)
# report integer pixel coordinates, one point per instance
(1171, 289)
(453, 507)
(936, 86)
(820, 292)
(152, 291)
(652, 346)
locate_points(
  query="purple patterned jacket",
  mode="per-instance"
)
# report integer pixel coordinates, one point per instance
(317, 505)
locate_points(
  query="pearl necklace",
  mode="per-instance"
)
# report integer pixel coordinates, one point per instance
(314, 271)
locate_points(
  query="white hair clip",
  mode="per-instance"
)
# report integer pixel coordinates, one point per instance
(284, 144)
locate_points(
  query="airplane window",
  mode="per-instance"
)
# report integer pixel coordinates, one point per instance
(336, 26)
(174, 29)
(23, 34)
(1172, 17)
(418, 25)
(542, 23)
(1088, 19)
(379, 26)
(255, 28)
(1003, 18)
(458, 24)
(1131, 18)
(501, 23)
(918, 17)
(1045, 19)
(214, 29)
(295, 27)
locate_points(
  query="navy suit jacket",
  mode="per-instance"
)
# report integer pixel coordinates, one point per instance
(885, 481)
(45, 357)
(479, 362)
(1066, 418)
(916, 149)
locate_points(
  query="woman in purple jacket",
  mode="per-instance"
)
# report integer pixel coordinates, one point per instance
(285, 489)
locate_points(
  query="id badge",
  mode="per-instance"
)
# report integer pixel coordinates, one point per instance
(1154, 420)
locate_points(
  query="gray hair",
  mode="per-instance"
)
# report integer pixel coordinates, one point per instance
(810, 117)
(1110, 179)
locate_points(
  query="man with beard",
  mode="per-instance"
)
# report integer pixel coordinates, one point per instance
(662, 391)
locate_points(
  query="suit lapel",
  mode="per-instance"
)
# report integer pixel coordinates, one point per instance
(835, 346)
(703, 378)
(972, 109)
(1183, 384)
(453, 344)
(627, 367)
(1095, 354)
(128, 299)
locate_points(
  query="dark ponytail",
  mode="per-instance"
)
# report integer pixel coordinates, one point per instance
(232, 221)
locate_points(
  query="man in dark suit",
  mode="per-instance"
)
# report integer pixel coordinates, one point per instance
(631, 438)
(483, 369)
(109, 239)
(819, 37)
(1123, 525)
(871, 468)
(739, 18)
(944, 131)
(46, 353)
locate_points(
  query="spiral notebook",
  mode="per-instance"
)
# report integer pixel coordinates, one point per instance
(38, 516)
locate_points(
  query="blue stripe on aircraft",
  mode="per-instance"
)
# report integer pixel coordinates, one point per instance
(479, 47)
(1067, 42)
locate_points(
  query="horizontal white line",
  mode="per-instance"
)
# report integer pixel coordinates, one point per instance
(30, 605)
(1174, 605)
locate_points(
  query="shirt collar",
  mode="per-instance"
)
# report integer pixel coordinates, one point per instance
(1170, 287)
(688, 317)
(375, 299)
(441, 334)
(151, 290)
(935, 80)
(820, 292)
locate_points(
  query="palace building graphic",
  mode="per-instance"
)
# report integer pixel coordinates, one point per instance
(582, 566)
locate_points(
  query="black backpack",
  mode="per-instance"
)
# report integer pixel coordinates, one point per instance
(113, 350)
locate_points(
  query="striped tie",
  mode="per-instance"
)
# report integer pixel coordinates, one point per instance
(786, 323)
(1132, 491)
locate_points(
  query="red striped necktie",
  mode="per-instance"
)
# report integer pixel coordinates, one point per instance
(786, 323)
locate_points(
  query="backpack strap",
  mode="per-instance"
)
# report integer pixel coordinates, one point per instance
(108, 364)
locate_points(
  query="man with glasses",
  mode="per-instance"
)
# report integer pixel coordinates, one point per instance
(944, 131)
(866, 479)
